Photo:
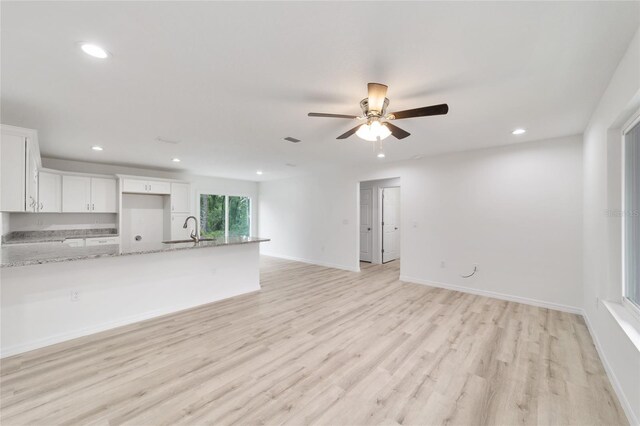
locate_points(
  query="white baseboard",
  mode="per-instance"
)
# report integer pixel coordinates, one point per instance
(312, 262)
(626, 405)
(81, 332)
(501, 296)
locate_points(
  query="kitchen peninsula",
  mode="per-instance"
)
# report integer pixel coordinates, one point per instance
(52, 292)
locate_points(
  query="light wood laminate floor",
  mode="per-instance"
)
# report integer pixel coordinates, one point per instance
(323, 346)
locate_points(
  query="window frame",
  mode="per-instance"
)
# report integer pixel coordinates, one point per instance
(628, 304)
(226, 210)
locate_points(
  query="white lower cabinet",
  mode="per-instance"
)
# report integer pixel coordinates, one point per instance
(101, 241)
(74, 242)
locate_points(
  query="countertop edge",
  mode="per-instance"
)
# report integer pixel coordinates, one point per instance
(119, 254)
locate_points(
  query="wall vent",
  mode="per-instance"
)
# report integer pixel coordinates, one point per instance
(290, 139)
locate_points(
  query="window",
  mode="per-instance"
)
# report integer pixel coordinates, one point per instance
(632, 213)
(224, 215)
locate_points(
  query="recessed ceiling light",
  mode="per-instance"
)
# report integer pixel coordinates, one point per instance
(175, 160)
(94, 50)
(381, 155)
(518, 132)
(96, 148)
(259, 172)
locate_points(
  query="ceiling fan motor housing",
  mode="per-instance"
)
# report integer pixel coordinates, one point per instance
(364, 105)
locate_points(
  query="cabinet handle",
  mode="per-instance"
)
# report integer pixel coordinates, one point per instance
(87, 206)
(93, 206)
(41, 206)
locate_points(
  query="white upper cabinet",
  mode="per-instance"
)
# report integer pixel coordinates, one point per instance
(103, 195)
(76, 194)
(162, 188)
(49, 192)
(180, 198)
(32, 179)
(12, 173)
(83, 194)
(142, 186)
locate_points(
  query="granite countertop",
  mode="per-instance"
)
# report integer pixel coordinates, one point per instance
(48, 252)
(24, 237)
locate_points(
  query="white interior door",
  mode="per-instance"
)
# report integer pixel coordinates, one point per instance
(390, 224)
(366, 222)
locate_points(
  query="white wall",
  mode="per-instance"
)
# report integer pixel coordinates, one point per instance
(602, 278)
(515, 210)
(199, 184)
(375, 185)
(57, 221)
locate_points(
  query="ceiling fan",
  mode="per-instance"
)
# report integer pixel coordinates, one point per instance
(374, 111)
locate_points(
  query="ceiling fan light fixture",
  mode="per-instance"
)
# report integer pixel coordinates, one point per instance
(372, 131)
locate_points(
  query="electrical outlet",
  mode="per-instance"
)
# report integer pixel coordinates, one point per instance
(443, 264)
(74, 295)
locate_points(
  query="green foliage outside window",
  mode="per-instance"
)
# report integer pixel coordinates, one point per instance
(212, 216)
(239, 215)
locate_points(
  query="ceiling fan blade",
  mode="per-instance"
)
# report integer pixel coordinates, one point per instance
(321, 114)
(396, 131)
(349, 133)
(377, 94)
(420, 112)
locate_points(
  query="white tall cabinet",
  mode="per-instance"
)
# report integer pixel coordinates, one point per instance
(19, 162)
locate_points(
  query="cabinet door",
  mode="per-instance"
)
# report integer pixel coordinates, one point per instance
(49, 192)
(135, 186)
(12, 173)
(76, 194)
(32, 179)
(103, 195)
(180, 198)
(159, 187)
(177, 231)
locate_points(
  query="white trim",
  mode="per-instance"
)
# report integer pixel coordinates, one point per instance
(109, 325)
(495, 295)
(626, 405)
(627, 304)
(312, 262)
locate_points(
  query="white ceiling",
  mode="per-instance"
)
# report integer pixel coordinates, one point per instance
(230, 80)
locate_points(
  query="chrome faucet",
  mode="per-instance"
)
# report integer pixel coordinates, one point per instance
(195, 234)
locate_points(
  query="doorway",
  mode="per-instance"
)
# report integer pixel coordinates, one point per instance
(390, 213)
(379, 225)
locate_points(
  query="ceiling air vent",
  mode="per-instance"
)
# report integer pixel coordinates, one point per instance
(290, 139)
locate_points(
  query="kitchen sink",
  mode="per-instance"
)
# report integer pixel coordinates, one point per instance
(187, 241)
